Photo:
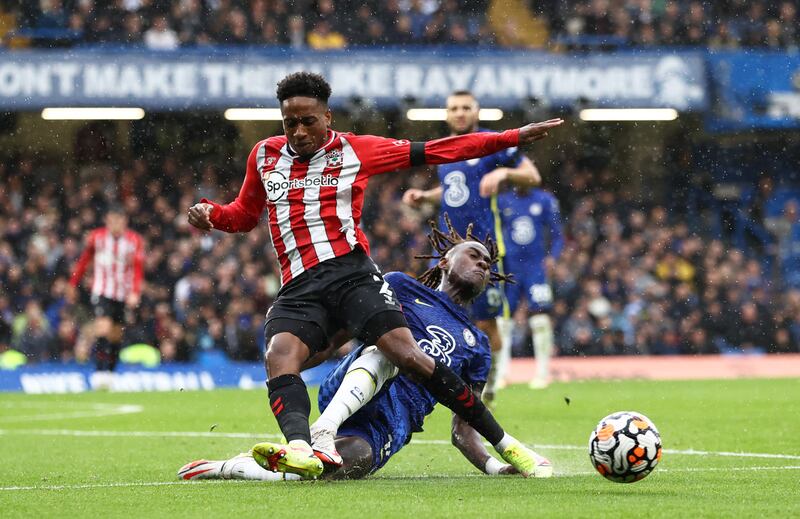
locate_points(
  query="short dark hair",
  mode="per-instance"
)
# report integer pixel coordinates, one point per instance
(304, 84)
(463, 93)
(116, 208)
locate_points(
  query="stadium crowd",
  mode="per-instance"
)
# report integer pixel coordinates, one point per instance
(335, 24)
(633, 278)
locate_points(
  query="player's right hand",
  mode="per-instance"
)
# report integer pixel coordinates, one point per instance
(200, 216)
(535, 131)
(414, 197)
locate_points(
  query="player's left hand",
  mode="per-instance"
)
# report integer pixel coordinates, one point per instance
(535, 131)
(132, 301)
(490, 183)
(508, 470)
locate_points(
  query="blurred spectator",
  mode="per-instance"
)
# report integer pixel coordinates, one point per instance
(53, 15)
(236, 31)
(788, 23)
(160, 36)
(132, 28)
(32, 334)
(722, 38)
(321, 37)
(594, 23)
(787, 229)
(296, 33)
(190, 21)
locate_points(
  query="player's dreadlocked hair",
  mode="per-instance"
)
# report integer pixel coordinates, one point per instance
(304, 84)
(443, 242)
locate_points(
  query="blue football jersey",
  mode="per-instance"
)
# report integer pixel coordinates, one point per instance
(461, 199)
(443, 330)
(531, 223)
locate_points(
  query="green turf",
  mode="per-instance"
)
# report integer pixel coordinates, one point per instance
(132, 474)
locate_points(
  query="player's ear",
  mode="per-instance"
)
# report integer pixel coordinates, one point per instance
(328, 116)
(443, 262)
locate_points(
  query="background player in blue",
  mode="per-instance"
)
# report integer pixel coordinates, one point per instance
(531, 222)
(467, 192)
(379, 418)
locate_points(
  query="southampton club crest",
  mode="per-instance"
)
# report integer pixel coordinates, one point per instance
(334, 159)
(267, 168)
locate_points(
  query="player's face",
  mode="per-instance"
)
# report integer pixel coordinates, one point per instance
(462, 114)
(116, 223)
(468, 267)
(305, 123)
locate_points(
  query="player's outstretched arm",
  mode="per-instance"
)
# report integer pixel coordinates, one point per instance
(469, 442)
(381, 155)
(416, 197)
(480, 144)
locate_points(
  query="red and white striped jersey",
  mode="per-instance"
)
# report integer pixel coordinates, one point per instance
(118, 264)
(314, 204)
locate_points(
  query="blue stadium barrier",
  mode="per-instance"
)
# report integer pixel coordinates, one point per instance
(66, 378)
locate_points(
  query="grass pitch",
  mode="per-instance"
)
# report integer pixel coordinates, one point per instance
(731, 448)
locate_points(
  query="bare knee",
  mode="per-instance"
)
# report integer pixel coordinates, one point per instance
(103, 326)
(285, 355)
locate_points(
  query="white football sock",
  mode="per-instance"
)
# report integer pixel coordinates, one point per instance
(503, 444)
(364, 378)
(505, 327)
(542, 331)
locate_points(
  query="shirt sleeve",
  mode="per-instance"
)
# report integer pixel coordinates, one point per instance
(243, 213)
(138, 266)
(83, 261)
(469, 146)
(380, 154)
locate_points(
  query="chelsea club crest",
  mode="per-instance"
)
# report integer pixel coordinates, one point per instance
(469, 337)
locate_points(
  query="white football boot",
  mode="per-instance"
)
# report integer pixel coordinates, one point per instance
(323, 441)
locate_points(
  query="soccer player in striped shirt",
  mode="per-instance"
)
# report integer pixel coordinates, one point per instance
(311, 182)
(117, 253)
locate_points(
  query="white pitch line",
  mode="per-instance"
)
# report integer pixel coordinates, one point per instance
(113, 485)
(695, 469)
(228, 482)
(210, 434)
(93, 411)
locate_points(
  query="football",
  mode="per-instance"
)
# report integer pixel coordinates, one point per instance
(625, 447)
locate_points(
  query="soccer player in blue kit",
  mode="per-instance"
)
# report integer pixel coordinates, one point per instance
(467, 192)
(531, 223)
(375, 411)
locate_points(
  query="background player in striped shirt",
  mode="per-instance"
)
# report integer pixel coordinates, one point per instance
(311, 182)
(117, 255)
(467, 192)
